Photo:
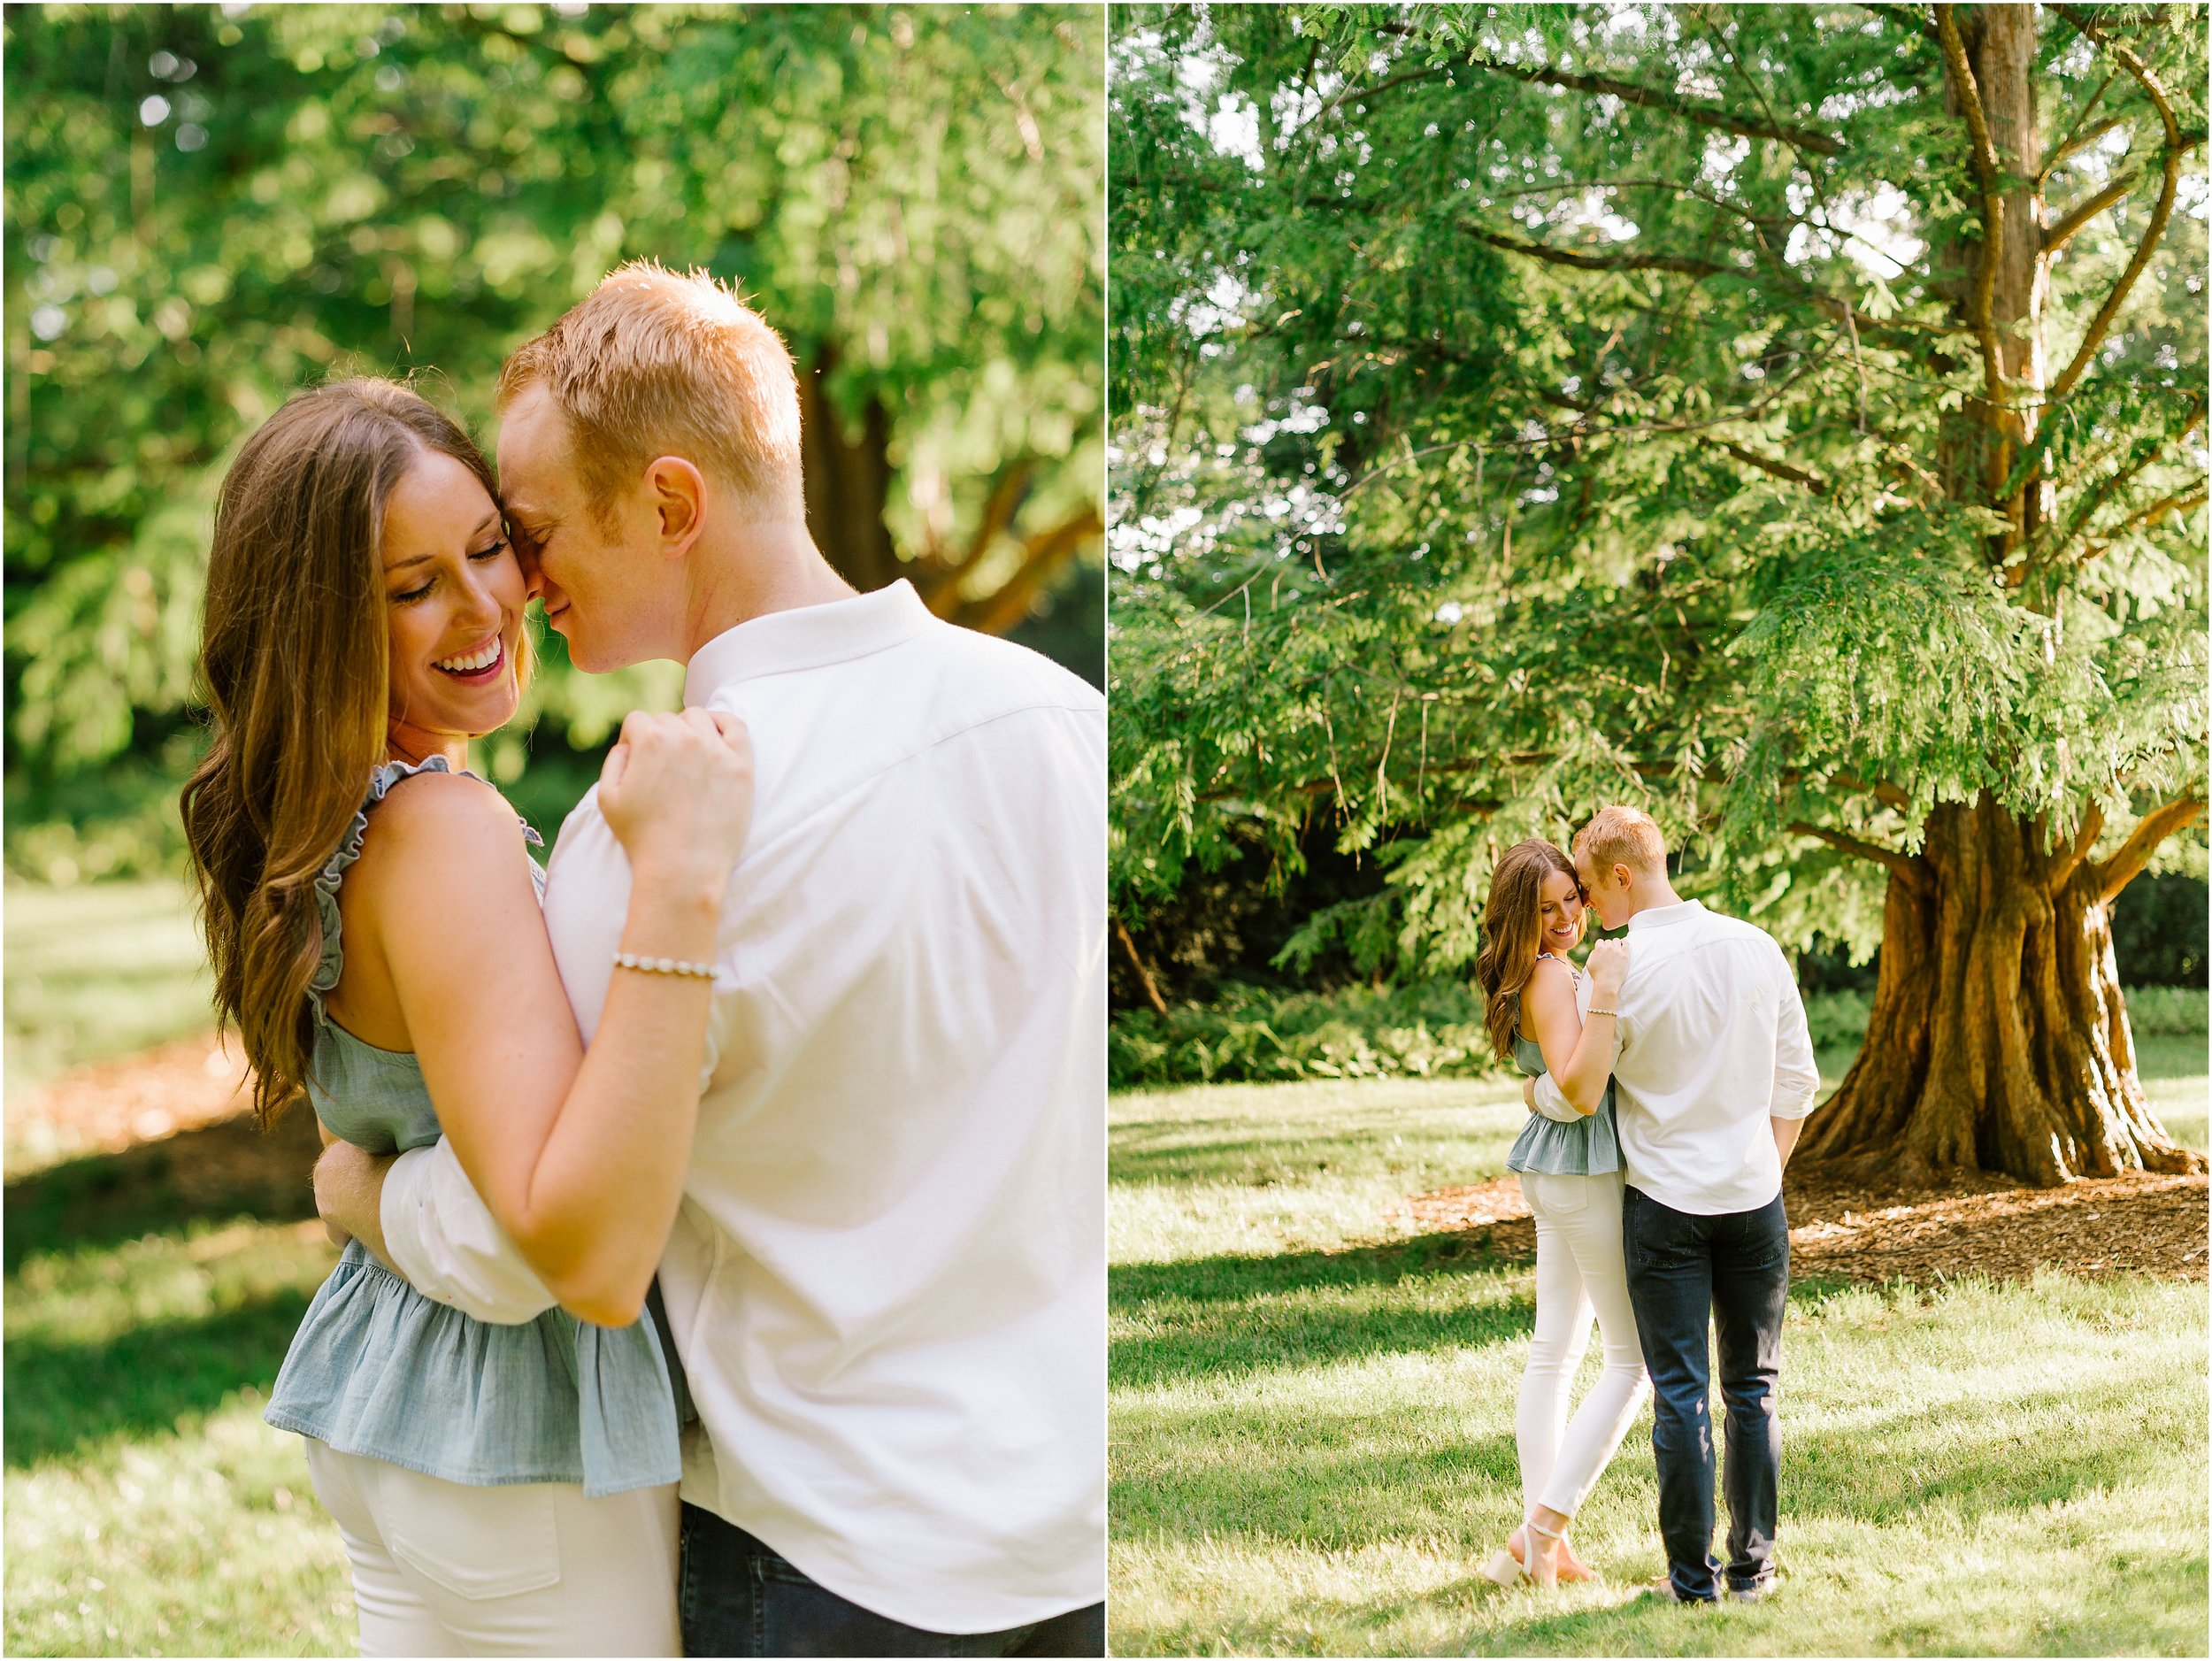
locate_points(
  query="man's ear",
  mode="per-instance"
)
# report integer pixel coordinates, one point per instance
(679, 493)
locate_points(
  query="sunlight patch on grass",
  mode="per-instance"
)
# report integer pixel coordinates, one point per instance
(206, 1541)
(99, 971)
(148, 1510)
(1312, 1421)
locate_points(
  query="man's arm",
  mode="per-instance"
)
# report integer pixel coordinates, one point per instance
(420, 1214)
(1545, 1096)
(1796, 1073)
(1786, 1135)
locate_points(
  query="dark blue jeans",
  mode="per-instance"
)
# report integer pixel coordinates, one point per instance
(736, 1597)
(1735, 1270)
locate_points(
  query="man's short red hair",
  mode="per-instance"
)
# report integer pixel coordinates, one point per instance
(1623, 836)
(654, 364)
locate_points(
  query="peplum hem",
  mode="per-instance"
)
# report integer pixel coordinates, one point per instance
(380, 1370)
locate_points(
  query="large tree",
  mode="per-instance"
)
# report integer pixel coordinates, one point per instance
(1790, 418)
(208, 208)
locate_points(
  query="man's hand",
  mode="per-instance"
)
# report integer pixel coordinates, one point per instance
(1528, 1093)
(1786, 1136)
(350, 1194)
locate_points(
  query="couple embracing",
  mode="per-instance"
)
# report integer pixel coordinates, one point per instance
(1667, 1085)
(723, 1203)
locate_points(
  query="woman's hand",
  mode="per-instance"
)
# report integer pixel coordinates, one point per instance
(1607, 969)
(677, 791)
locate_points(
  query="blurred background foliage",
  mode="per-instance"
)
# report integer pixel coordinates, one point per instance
(209, 208)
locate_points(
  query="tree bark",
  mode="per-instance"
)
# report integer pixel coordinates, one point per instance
(1999, 1038)
(1995, 99)
(847, 482)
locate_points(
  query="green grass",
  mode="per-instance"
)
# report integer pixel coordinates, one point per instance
(149, 1509)
(98, 970)
(151, 1295)
(1312, 1419)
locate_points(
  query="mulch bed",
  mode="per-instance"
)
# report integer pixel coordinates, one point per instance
(1975, 1225)
(116, 1105)
(1991, 1227)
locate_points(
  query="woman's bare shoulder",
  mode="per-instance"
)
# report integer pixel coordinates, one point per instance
(443, 829)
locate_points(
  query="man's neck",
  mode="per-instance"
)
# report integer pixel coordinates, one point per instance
(755, 569)
(1644, 898)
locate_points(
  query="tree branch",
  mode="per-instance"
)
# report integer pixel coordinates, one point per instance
(1903, 866)
(2111, 487)
(1779, 469)
(2154, 233)
(1601, 262)
(1898, 863)
(2155, 827)
(2078, 139)
(1043, 554)
(1887, 794)
(1136, 962)
(1986, 167)
(2150, 515)
(2071, 221)
(1646, 97)
(2092, 828)
(1904, 17)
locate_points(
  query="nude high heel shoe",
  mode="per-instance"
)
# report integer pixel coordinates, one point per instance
(1544, 1576)
(1504, 1568)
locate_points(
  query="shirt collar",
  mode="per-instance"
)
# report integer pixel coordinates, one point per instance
(805, 638)
(1662, 916)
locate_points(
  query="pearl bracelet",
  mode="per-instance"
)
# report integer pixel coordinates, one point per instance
(664, 966)
(1615, 1013)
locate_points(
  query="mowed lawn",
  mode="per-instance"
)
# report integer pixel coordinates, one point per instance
(150, 1297)
(1312, 1419)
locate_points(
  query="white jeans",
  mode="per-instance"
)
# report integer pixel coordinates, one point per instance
(441, 1569)
(1578, 1269)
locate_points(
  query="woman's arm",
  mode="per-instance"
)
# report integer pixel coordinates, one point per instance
(1577, 1054)
(579, 1157)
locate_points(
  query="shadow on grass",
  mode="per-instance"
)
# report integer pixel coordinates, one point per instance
(1326, 1488)
(63, 1398)
(222, 1171)
(1212, 1316)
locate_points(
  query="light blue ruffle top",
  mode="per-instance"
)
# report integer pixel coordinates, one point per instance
(381, 1370)
(1589, 1147)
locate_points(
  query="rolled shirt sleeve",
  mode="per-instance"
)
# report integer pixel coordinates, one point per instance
(1796, 1073)
(444, 1238)
(1552, 1101)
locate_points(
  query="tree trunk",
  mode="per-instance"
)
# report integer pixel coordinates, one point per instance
(1999, 1038)
(1981, 442)
(847, 482)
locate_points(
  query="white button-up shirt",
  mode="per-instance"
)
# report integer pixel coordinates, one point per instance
(886, 1279)
(1713, 1044)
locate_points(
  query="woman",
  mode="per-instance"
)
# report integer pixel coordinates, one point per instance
(1545, 1017)
(373, 915)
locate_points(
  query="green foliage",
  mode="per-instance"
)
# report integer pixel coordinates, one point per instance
(1491, 443)
(2167, 1012)
(1431, 1029)
(1253, 1034)
(210, 208)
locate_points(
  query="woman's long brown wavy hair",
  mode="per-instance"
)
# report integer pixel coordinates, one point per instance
(295, 665)
(1512, 929)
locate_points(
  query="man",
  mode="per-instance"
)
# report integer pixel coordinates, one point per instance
(887, 1277)
(1714, 1077)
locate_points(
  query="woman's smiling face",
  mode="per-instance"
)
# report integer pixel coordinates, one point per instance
(1559, 913)
(455, 595)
